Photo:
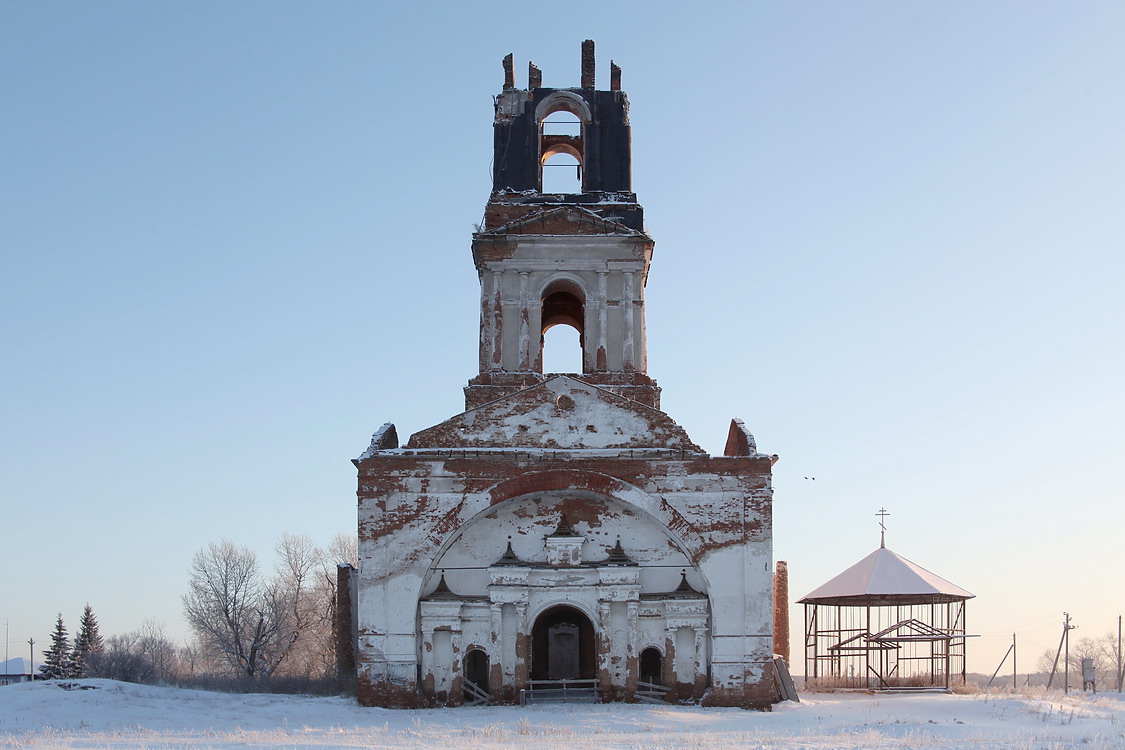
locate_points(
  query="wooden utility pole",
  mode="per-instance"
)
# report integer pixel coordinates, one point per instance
(1065, 639)
(1011, 650)
(1013, 661)
(31, 660)
(1067, 627)
(1120, 674)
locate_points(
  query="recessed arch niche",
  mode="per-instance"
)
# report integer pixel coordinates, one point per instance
(525, 521)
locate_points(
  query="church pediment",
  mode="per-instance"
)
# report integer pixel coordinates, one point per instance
(564, 220)
(561, 413)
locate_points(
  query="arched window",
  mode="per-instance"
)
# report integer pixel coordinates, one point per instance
(560, 152)
(562, 338)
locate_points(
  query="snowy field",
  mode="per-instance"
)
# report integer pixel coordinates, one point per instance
(118, 715)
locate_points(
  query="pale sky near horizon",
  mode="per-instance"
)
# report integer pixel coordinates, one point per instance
(235, 240)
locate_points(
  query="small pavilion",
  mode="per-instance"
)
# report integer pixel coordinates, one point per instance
(885, 623)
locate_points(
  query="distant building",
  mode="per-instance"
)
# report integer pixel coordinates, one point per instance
(563, 536)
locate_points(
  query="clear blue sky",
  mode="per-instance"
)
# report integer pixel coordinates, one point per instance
(235, 240)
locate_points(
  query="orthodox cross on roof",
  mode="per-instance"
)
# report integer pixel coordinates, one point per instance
(882, 527)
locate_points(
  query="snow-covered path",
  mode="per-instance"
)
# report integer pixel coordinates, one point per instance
(119, 715)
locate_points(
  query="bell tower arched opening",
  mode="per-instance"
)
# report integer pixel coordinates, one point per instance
(562, 350)
(561, 152)
(563, 304)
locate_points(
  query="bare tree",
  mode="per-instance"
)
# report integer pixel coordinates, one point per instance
(129, 657)
(157, 650)
(236, 616)
(189, 660)
(122, 660)
(299, 585)
(344, 550)
(256, 627)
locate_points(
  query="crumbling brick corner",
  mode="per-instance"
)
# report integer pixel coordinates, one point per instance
(388, 695)
(344, 633)
(781, 610)
(755, 694)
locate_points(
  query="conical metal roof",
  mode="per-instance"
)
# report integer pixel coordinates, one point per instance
(509, 557)
(617, 556)
(442, 591)
(885, 578)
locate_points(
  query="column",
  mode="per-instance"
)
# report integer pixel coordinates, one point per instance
(602, 352)
(671, 673)
(456, 665)
(605, 650)
(633, 656)
(700, 661)
(589, 339)
(497, 659)
(522, 647)
(427, 655)
(627, 308)
(496, 310)
(535, 333)
(487, 321)
(525, 363)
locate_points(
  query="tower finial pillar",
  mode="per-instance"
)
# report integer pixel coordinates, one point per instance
(588, 64)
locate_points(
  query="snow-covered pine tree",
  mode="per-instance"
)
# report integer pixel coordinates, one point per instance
(87, 645)
(56, 659)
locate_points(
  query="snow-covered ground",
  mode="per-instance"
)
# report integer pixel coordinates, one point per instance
(111, 714)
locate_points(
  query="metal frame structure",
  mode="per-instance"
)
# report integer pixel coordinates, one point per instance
(885, 642)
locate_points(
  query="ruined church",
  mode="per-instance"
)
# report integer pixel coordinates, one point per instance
(563, 537)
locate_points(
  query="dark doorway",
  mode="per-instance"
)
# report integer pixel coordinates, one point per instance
(475, 680)
(476, 668)
(562, 645)
(652, 666)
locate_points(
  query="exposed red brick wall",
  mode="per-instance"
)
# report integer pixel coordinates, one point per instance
(781, 610)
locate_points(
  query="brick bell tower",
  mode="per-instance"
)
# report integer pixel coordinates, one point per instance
(562, 532)
(578, 259)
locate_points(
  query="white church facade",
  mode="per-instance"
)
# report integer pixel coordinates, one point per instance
(563, 534)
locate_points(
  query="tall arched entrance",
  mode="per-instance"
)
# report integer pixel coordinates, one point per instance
(562, 645)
